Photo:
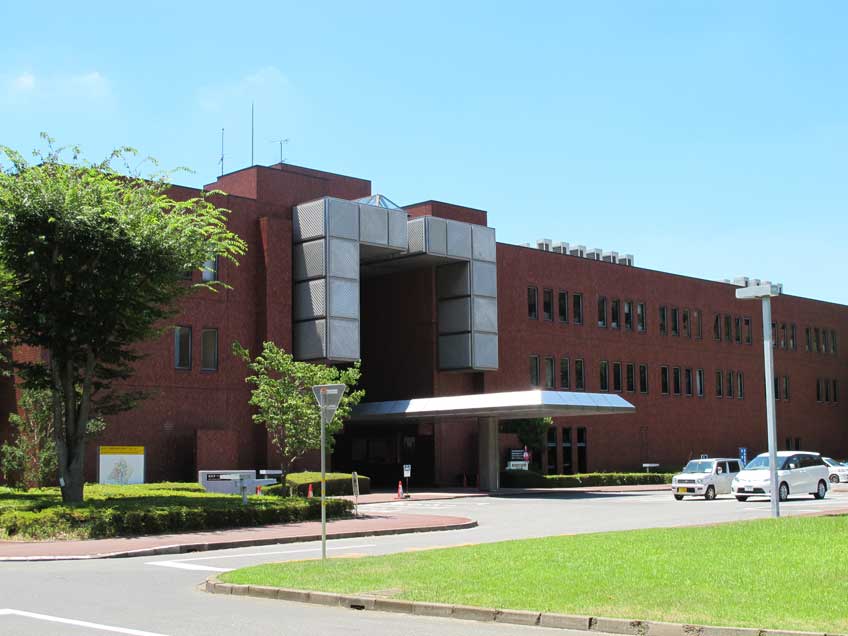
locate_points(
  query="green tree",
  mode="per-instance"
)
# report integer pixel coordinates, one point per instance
(531, 432)
(285, 404)
(92, 261)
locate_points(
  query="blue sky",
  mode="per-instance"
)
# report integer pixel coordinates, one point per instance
(706, 138)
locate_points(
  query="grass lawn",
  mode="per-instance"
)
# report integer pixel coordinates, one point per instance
(110, 511)
(789, 573)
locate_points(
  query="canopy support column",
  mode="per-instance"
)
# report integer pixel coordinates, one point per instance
(488, 449)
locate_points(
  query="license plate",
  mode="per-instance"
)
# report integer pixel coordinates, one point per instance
(681, 490)
(747, 489)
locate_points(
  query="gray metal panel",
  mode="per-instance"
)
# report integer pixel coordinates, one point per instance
(310, 299)
(485, 314)
(454, 315)
(310, 340)
(484, 279)
(397, 229)
(373, 225)
(343, 339)
(483, 243)
(308, 221)
(455, 351)
(344, 298)
(453, 280)
(416, 234)
(343, 217)
(485, 351)
(344, 258)
(459, 239)
(437, 236)
(308, 260)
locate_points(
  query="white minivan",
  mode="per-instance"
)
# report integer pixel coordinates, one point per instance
(798, 473)
(705, 478)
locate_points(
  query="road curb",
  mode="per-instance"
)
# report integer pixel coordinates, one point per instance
(630, 627)
(182, 548)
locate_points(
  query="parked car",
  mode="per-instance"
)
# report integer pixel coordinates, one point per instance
(705, 478)
(798, 473)
(838, 471)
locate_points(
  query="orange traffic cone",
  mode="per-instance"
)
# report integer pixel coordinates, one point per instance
(400, 490)
(309, 492)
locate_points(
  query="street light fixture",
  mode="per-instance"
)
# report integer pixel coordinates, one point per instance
(765, 292)
(328, 396)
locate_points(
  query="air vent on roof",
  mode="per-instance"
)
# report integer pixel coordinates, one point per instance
(594, 254)
(560, 247)
(610, 257)
(578, 250)
(627, 259)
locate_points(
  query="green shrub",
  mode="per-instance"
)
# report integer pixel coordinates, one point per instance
(338, 484)
(529, 479)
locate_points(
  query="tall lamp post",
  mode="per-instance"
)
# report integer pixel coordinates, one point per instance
(328, 397)
(765, 292)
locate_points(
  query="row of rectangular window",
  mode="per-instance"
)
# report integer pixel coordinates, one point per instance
(784, 337)
(778, 383)
(692, 324)
(821, 340)
(729, 384)
(628, 382)
(548, 305)
(681, 381)
(827, 390)
(577, 381)
(565, 448)
(736, 329)
(183, 349)
(619, 309)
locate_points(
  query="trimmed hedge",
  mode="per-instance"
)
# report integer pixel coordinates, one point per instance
(529, 479)
(114, 511)
(338, 484)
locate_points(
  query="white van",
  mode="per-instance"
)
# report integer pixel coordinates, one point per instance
(705, 478)
(798, 473)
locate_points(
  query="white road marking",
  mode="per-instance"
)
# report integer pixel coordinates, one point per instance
(185, 564)
(76, 623)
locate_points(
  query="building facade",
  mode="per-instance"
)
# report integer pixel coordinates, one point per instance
(434, 306)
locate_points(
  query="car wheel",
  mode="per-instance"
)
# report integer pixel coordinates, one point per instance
(678, 497)
(783, 491)
(834, 479)
(741, 498)
(710, 494)
(821, 491)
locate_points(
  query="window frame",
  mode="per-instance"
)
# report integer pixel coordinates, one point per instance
(615, 313)
(579, 374)
(665, 380)
(602, 312)
(603, 376)
(548, 300)
(178, 329)
(562, 302)
(643, 379)
(577, 307)
(532, 303)
(630, 377)
(535, 370)
(203, 333)
(617, 379)
(549, 369)
(700, 379)
(675, 321)
(564, 364)
(641, 318)
(628, 315)
(663, 315)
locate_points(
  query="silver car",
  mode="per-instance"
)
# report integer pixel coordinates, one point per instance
(705, 478)
(838, 472)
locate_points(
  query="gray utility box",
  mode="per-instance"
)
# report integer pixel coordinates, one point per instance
(212, 480)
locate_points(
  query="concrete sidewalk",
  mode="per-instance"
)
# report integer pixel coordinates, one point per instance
(370, 525)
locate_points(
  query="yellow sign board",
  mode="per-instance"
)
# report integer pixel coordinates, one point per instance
(122, 450)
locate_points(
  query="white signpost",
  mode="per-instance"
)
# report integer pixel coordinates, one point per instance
(328, 397)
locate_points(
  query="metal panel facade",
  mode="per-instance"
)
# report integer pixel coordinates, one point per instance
(308, 221)
(308, 260)
(455, 351)
(454, 315)
(310, 340)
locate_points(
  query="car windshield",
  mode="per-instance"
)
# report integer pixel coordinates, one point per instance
(831, 462)
(696, 466)
(761, 462)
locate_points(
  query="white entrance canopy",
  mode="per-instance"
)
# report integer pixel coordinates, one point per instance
(503, 406)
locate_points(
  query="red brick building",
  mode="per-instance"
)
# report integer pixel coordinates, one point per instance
(435, 308)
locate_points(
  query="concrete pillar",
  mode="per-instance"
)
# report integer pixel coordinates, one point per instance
(488, 448)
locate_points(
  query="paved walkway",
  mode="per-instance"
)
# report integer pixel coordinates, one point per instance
(370, 525)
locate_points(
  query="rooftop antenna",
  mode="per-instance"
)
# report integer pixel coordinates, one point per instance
(251, 133)
(281, 142)
(221, 161)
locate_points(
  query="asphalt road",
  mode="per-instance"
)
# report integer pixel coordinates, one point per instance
(159, 596)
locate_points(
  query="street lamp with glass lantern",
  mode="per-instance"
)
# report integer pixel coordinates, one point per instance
(765, 292)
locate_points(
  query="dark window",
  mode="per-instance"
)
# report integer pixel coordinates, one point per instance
(532, 303)
(552, 450)
(728, 334)
(740, 385)
(643, 378)
(785, 387)
(563, 306)
(567, 466)
(687, 325)
(579, 380)
(687, 381)
(699, 383)
(663, 320)
(548, 304)
(534, 370)
(616, 376)
(827, 390)
(825, 341)
(793, 337)
(582, 466)
(774, 334)
(182, 347)
(737, 323)
(834, 342)
(615, 313)
(550, 373)
(210, 270)
(696, 319)
(578, 308)
(209, 350)
(630, 377)
(628, 315)
(640, 318)
(835, 391)
(564, 379)
(816, 340)
(809, 336)
(602, 311)
(675, 324)
(776, 387)
(675, 374)
(719, 381)
(819, 391)
(604, 375)
(717, 327)
(783, 335)
(729, 392)
(664, 380)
